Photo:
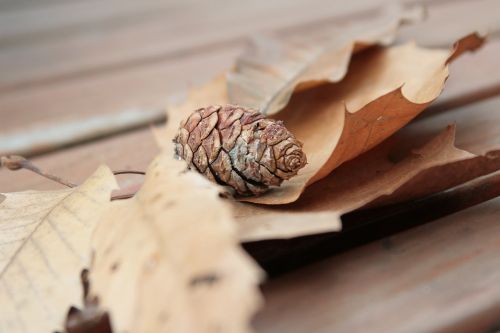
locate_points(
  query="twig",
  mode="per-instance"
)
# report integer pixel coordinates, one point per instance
(15, 162)
(124, 172)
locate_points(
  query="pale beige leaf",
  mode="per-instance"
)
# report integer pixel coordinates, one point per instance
(267, 74)
(20, 214)
(45, 242)
(168, 260)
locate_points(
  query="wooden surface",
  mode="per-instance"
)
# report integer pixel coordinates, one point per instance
(63, 62)
(439, 277)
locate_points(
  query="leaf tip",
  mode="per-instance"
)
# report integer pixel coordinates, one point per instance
(468, 43)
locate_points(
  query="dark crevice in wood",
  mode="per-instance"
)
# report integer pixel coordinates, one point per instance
(364, 226)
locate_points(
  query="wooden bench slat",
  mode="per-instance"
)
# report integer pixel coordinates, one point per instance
(146, 87)
(194, 29)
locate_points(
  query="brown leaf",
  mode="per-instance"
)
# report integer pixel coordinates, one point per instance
(477, 132)
(168, 260)
(434, 167)
(267, 74)
(384, 89)
(44, 243)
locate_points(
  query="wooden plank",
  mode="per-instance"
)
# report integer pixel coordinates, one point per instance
(105, 42)
(23, 22)
(25, 4)
(133, 150)
(473, 77)
(134, 87)
(449, 20)
(439, 277)
(477, 128)
(196, 28)
(146, 87)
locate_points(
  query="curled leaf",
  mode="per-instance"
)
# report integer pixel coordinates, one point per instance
(384, 89)
(268, 73)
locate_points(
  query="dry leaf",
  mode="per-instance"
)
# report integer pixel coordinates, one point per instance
(44, 243)
(18, 218)
(477, 128)
(267, 74)
(384, 89)
(436, 166)
(168, 260)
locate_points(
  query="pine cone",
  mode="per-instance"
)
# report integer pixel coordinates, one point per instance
(239, 148)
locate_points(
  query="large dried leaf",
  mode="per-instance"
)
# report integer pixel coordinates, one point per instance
(397, 172)
(384, 89)
(168, 260)
(436, 166)
(44, 244)
(267, 74)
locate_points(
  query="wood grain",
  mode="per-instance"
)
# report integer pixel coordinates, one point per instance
(449, 20)
(146, 83)
(80, 39)
(163, 33)
(440, 277)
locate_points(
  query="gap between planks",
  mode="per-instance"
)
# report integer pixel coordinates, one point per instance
(438, 277)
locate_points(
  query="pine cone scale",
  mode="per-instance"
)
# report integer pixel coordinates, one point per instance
(212, 145)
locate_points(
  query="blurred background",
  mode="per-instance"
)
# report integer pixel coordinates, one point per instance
(81, 81)
(93, 74)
